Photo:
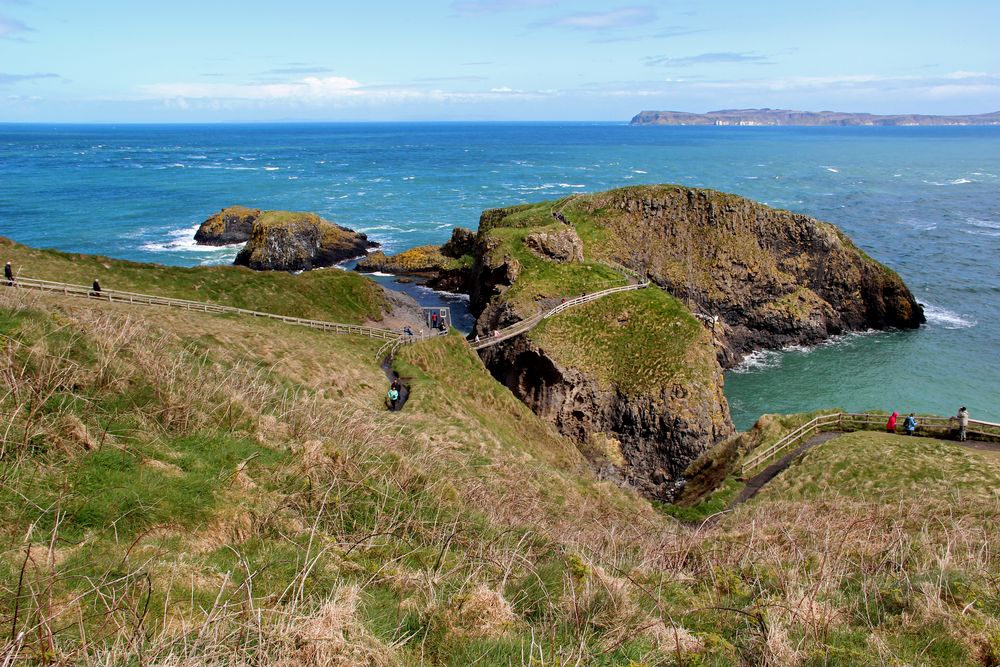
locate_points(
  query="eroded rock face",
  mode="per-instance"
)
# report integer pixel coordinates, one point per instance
(562, 246)
(645, 440)
(767, 277)
(461, 243)
(441, 267)
(287, 241)
(231, 225)
(756, 278)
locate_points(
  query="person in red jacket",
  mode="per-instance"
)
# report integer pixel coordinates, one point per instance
(890, 426)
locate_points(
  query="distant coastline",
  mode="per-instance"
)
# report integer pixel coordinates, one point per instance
(755, 117)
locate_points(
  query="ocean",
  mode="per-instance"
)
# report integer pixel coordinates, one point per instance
(924, 200)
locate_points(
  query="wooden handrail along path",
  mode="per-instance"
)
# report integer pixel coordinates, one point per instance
(848, 421)
(527, 325)
(118, 296)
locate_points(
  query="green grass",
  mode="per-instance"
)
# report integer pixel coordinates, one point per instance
(633, 340)
(329, 294)
(871, 465)
(540, 278)
(714, 503)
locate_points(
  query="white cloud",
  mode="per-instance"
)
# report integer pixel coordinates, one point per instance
(332, 90)
(622, 17)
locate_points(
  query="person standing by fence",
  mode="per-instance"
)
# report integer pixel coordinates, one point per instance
(890, 426)
(963, 423)
(909, 424)
(8, 274)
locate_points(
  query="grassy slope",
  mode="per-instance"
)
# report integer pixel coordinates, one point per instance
(231, 489)
(338, 296)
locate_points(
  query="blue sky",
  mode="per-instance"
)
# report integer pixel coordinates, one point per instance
(188, 61)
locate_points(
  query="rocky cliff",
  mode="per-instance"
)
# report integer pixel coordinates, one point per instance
(290, 241)
(636, 378)
(766, 278)
(446, 267)
(231, 225)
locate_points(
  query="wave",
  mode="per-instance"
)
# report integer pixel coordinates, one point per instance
(947, 318)
(182, 240)
(271, 168)
(758, 361)
(639, 171)
(956, 181)
(988, 224)
(832, 170)
(571, 185)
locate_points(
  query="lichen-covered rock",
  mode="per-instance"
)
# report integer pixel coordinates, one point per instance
(765, 277)
(232, 224)
(562, 246)
(290, 241)
(461, 243)
(438, 270)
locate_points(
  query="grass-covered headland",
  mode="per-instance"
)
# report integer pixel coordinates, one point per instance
(188, 489)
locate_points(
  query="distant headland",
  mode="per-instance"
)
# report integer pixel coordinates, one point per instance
(809, 118)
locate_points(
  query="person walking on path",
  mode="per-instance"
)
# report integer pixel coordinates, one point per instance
(909, 424)
(8, 274)
(963, 423)
(393, 396)
(95, 290)
(890, 426)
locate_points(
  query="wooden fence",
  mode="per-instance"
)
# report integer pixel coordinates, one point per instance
(119, 296)
(938, 427)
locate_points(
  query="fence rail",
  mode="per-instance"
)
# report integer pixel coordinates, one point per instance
(851, 421)
(526, 325)
(120, 296)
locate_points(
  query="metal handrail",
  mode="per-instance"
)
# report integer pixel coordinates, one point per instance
(122, 296)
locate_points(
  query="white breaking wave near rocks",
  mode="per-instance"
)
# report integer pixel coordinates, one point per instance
(948, 319)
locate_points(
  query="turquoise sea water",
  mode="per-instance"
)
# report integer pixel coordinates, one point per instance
(926, 201)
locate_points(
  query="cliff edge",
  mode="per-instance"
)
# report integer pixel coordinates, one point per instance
(636, 378)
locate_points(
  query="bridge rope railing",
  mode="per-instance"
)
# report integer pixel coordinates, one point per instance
(120, 296)
(849, 421)
(524, 326)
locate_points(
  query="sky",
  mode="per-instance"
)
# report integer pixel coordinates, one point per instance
(386, 60)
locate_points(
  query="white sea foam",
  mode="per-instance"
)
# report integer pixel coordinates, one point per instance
(947, 318)
(961, 181)
(571, 185)
(639, 171)
(756, 361)
(182, 240)
(988, 224)
(380, 274)
(271, 168)
(832, 170)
